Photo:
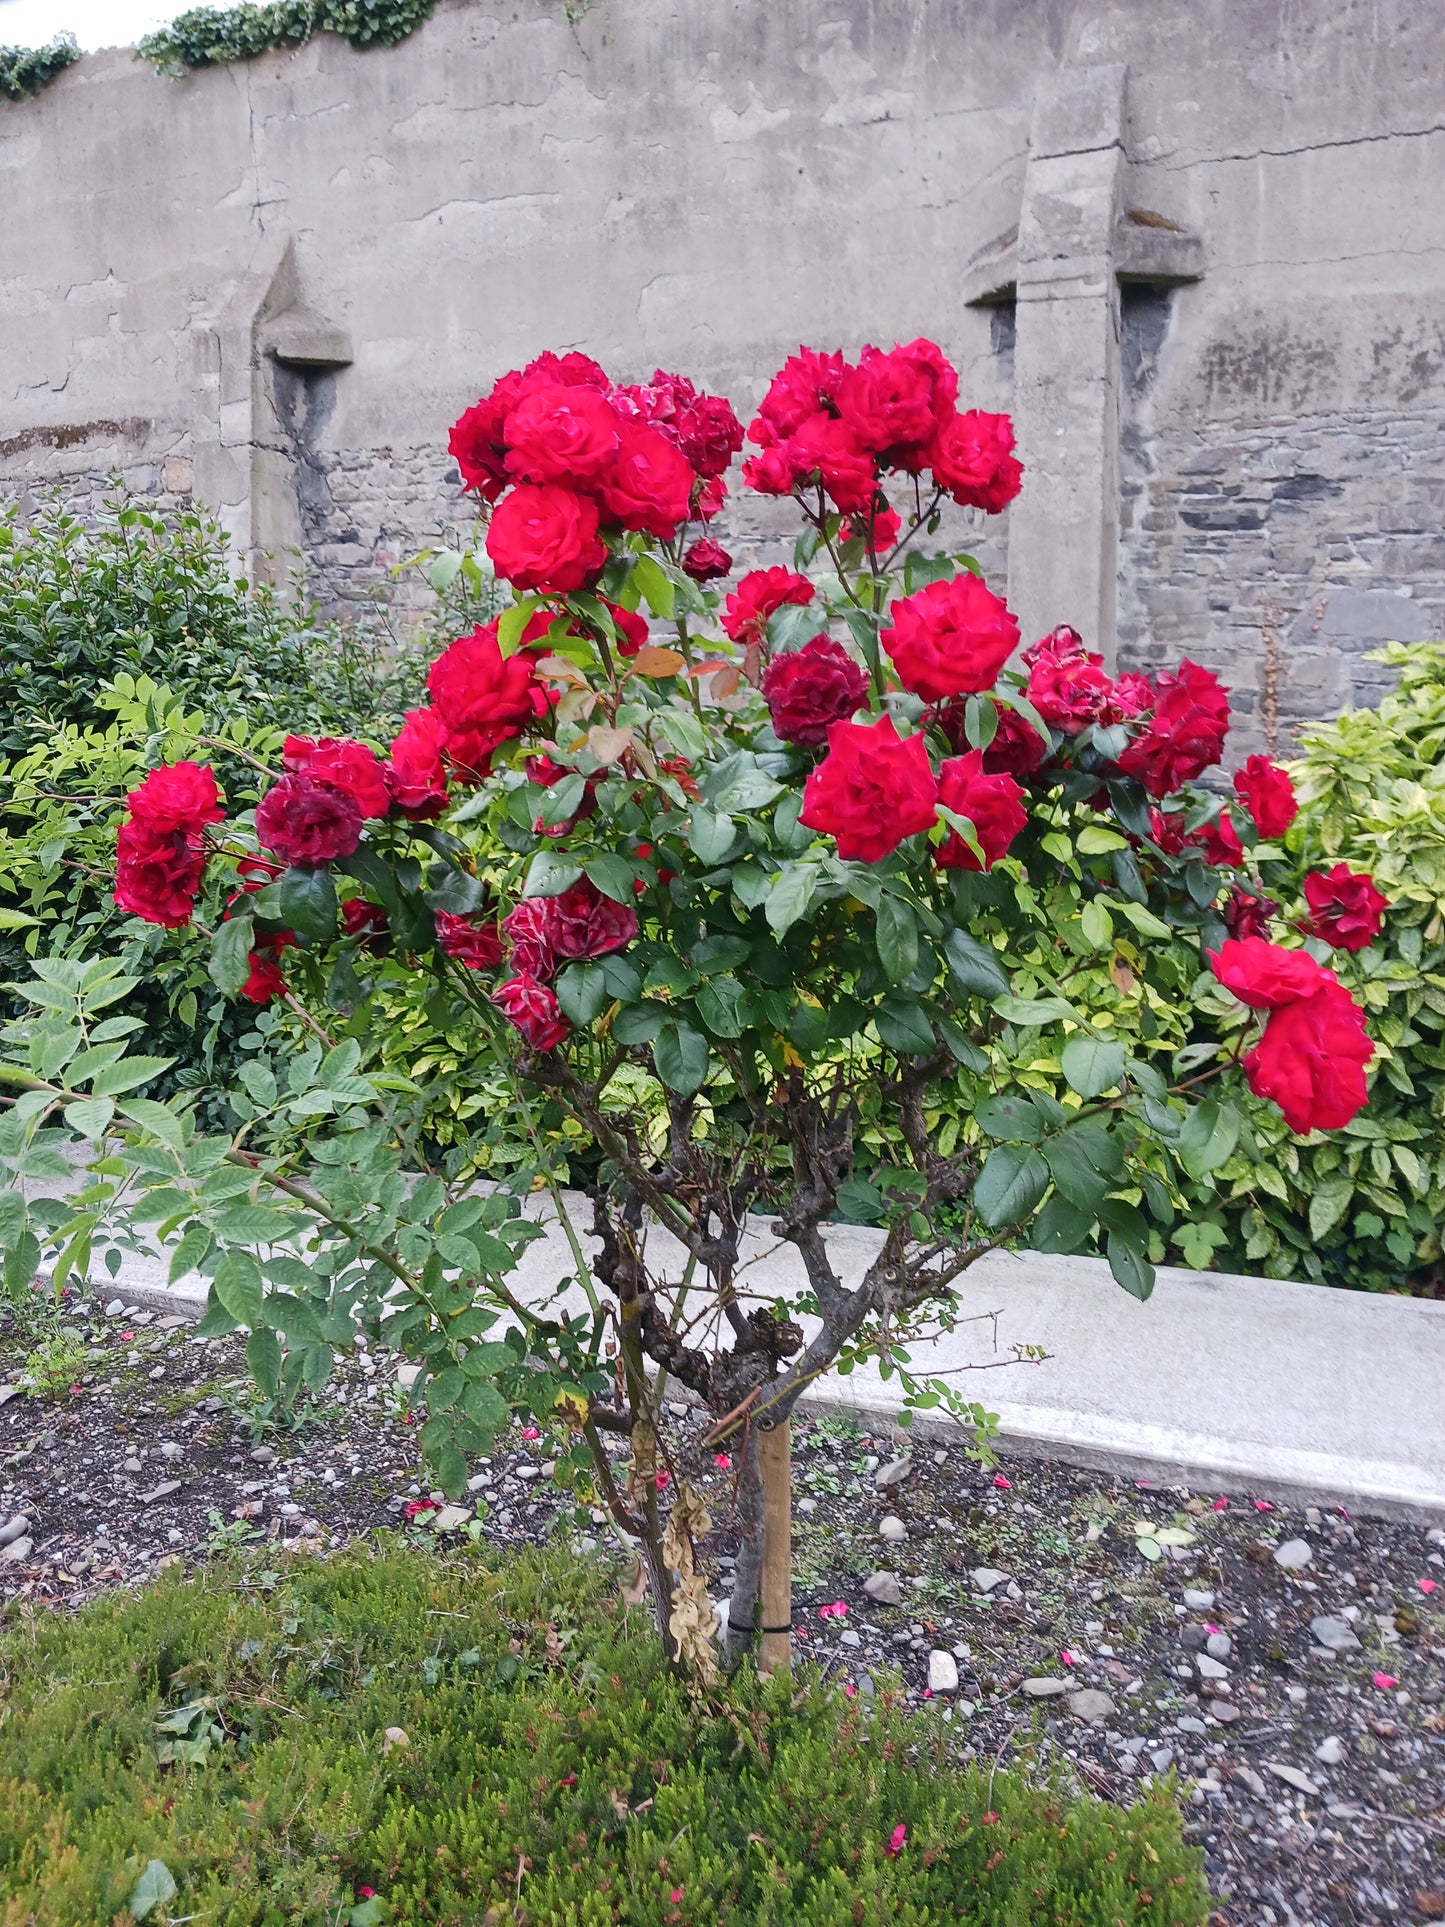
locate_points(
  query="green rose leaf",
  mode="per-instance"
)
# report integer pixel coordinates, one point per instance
(237, 1286)
(903, 1024)
(613, 875)
(897, 938)
(1208, 1137)
(975, 965)
(1010, 1184)
(550, 874)
(582, 992)
(680, 1055)
(230, 961)
(1093, 1065)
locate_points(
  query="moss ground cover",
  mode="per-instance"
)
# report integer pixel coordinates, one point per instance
(477, 1742)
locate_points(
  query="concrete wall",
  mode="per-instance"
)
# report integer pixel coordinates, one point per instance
(1198, 246)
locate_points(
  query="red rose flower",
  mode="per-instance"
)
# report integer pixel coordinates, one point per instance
(529, 932)
(476, 443)
(826, 451)
(345, 765)
(180, 796)
(895, 403)
(477, 945)
(265, 978)
(1069, 689)
(950, 639)
(881, 524)
(972, 457)
(706, 560)
(534, 1010)
(1246, 915)
(708, 497)
(1346, 910)
(157, 874)
(993, 804)
(362, 919)
(1129, 696)
(308, 823)
(1266, 975)
(583, 923)
(806, 382)
(759, 595)
(1268, 794)
(560, 433)
(481, 698)
(871, 790)
(648, 484)
(1016, 747)
(704, 427)
(1185, 735)
(1219, 842)
(632, 631)
(771, 473)
(415, 774)
(545, 537)
(1311, 1060)
(810, 688)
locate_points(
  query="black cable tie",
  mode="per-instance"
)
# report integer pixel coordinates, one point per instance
(777, 1629)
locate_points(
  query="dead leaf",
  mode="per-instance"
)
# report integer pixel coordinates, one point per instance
(606, 744)
(576, 706)
(634, 1587)
(559, 669)
(651, 660)
(393, 1736)
(1123, 976)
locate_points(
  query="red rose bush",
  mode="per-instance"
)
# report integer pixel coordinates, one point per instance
(745, 874)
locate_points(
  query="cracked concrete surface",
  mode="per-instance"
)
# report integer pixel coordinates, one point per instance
(706, 186)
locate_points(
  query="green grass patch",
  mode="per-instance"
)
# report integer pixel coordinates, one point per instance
(552, 1771)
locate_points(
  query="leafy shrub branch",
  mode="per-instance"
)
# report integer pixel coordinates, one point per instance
(24, 71)
(211, 36)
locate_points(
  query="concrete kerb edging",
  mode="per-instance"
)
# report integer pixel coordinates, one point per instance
(1259, 1385)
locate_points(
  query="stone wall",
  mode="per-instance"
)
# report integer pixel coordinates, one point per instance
(1196, 246)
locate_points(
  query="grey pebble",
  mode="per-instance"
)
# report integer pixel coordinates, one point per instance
(1294, 1555)
(883, 1589)
(892, 1528)
(1335, 1635)
(894, 1473)
(1044, 1689)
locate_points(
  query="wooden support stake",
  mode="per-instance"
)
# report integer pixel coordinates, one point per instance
(775, 1467)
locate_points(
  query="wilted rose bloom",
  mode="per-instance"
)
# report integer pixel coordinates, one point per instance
(1246, 915)
(706, 560)
(534, 1011)
(1068, 686)
(972, 457)
(807, 689)
(1185, 735)
(950, 638)
(708, 495)
(704, 427)
(1346, 910)
(993, 804)
(157, 874)
(1016, 747)
(545, 537)
(583, 923)
(1130, 695)
(1219, 842)
(759, 595)
(477, 945)
(308, 823)
(871, 790)
(529, 932)
(179, 796)
(1268, 794)
(345, 764)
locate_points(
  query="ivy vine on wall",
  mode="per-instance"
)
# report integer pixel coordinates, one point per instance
(210, 36)
(25, 70)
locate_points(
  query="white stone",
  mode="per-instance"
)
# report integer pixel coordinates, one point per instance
(942, 1672)
(15, 1529)
(894, 1473)
(451, 1518)
(17, 1551)
(1330, 1752)
(1210, 1668)
(1292, 1776)
(1044, 1689)
(849, 1638)
(985, 1578)
(1091, 1705)
(892, 1529)
(161, 1491)
(807, 1507)
(1294, 1555)
(114, 1308)
(1218, 1645)
(1198, 1599)
(1335, 1635)
(883, 1589)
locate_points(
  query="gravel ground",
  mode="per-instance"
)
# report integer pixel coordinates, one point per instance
(1288, 1664)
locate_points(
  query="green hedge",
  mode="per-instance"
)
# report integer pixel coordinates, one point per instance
(210, 36)
(551, 1770)
(25, 70)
